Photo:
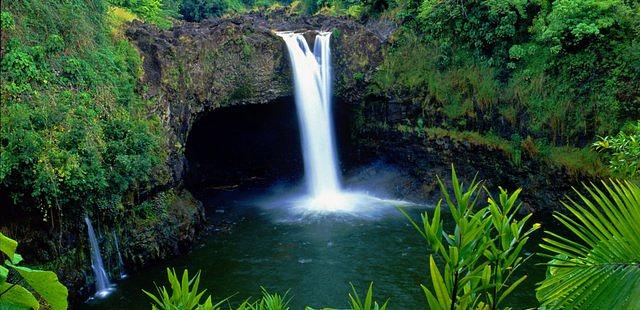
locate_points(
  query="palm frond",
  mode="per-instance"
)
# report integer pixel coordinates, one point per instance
(599, 266)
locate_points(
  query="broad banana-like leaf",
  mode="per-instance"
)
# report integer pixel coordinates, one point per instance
(17, 297)
(46, 284)
(8, 246)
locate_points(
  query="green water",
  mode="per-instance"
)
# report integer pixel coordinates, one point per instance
(314, 257)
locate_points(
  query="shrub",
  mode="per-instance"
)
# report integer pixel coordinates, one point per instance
(481, 254)
(75, 130)
(184, 294)
(623, 151)
(6, 21)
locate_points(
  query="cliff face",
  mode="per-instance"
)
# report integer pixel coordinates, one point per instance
(162, 226)
(194, 68)
(189, 70)
(198, 67)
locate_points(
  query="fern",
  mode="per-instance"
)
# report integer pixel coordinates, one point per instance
(599, 266)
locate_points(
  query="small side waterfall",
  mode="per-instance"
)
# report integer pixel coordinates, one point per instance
(103, 285)
(120, 262)
(312, 82)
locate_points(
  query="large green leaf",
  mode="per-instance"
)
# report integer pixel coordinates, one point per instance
(17, 297)
(46, 284)
(7, 245)
(4, 273)
(599, 267)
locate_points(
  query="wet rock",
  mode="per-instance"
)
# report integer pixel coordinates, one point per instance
(198, 67)
(544, 185)
(164, 225)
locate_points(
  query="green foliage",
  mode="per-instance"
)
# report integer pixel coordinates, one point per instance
(597, 266)
(482, 253)
(406, 68)
(355, 9)
(75, 131)
(44, 283)
(564, 70)
(487, 28)
(149, 10)
(184, 294)
(368, 303)
(272, 301)
(358, 303)
(197, 10)
(6, 21)
(571, 23)
(623, 150)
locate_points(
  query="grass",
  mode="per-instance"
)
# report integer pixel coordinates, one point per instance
(577, 161)
(117, 17)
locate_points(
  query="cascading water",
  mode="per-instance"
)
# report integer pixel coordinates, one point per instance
(103, 285)
(312, 83)
(120, 262)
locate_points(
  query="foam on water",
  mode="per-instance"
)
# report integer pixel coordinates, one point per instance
(313, 93)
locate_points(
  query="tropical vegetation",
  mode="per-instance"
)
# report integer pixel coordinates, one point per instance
(622, 150)
(19, 283)
(185, 295)
(76, 133)
(482, 253)
(597, 267)
(554, 80)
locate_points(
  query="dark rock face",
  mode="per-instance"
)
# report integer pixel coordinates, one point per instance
(428, 157)
(189, 70)
(199, 67)
(161, 227)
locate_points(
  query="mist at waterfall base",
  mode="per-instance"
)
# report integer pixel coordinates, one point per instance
(312, 238)
(312, 76)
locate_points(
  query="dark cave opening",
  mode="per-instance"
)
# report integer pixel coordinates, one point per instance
(253, 144)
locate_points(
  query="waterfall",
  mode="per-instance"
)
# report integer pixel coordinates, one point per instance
(312, 83)
(312, 79)
(103, 286)
(120, 262)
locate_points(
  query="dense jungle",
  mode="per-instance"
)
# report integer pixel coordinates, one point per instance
(320, 154)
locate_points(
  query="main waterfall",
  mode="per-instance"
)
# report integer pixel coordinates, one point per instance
(312, 82)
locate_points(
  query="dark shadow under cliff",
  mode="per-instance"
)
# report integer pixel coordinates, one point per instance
(247, 144)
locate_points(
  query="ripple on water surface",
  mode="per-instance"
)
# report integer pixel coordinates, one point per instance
(314, 254)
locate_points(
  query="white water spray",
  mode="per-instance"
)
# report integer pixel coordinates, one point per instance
(120, 262)
(312, 82)
(103, 285)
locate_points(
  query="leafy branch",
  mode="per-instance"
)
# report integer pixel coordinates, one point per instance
(481, 254)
